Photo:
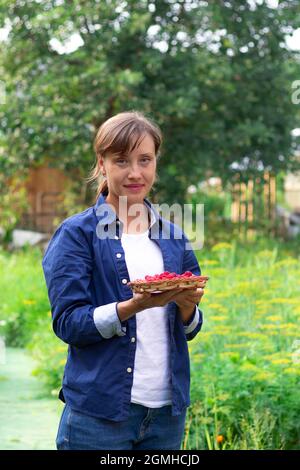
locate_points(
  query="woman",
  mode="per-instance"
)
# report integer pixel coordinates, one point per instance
(127, 376)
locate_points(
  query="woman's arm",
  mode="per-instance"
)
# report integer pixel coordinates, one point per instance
(191, 315)
(67, 266)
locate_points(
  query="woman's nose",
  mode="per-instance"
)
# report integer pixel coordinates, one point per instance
(134, 172)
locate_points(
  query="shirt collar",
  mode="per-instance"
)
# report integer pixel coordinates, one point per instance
(106, 214)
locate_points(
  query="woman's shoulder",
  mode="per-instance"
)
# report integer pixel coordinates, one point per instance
(80, 218)
(80, 223)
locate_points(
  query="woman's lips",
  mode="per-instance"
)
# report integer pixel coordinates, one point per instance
(134, 187)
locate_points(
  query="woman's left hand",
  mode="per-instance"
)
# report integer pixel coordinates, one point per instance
(187, 298)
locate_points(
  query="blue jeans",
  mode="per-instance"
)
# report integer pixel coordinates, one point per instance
(145, 428)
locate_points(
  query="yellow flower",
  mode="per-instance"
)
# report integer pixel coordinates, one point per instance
(280, 361)
(282, 300)
(223, 396)
(29, 302)
(210, 262)
(275, 284)
(232, 354)
(278, 355)
(252, 335)
(218, 318)
(269, 326)
(221, 246)
(220, 272)
(215, 306)
(286, 262)
(283, 326)
(264, 375)
(248, 366)
(297, 311)
(244, 285)
(221, 330)
(274, 318)
(237, 346)
(222, 295)
(292, 370)
(265, 253)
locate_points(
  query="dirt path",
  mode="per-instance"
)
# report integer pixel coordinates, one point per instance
(28, 421)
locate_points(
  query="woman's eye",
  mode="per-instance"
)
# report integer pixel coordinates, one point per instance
(146, 159)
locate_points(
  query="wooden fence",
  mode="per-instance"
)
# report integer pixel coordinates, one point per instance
(253, 204)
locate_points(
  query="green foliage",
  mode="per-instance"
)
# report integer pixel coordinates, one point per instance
(214, 202)
(50, 354)
(23, 295)
(218, 101)
(245, 372)
(13, 204)
(244, 377)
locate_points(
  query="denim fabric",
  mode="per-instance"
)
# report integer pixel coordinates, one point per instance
(144, 429)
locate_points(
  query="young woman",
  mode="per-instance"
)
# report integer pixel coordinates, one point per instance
(127, 377)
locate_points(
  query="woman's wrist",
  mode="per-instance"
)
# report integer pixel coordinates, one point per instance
(127, 309)
(186, 312)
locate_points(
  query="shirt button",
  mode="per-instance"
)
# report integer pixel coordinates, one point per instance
(118, 255)
(133, 340)
(124, 281)
(129, 369)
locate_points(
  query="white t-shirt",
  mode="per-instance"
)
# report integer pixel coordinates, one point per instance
(152, 372)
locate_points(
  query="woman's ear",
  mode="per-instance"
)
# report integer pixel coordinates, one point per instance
(101, 165)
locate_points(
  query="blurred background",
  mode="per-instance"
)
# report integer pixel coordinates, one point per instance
(222, 80)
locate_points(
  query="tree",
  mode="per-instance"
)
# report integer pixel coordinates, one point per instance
(213, 75)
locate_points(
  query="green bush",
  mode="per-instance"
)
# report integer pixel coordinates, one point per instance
(244, 370)
(23, 295)
(51, 355)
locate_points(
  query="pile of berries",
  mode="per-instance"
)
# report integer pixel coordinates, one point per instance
(166, 275)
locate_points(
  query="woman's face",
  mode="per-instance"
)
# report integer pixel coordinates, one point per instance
(131, 175)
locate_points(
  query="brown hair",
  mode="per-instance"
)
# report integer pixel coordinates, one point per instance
(120, 134)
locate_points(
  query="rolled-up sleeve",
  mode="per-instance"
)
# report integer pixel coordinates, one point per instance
(190, 263)
(67, 266)
(107, 321)
(193, 322)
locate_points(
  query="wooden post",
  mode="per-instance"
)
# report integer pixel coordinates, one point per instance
(273, 203)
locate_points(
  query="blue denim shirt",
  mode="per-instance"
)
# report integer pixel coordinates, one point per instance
(86, 275)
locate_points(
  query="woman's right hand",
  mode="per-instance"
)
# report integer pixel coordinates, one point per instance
(145, 300)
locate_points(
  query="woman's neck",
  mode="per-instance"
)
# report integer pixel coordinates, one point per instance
(134, 224)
